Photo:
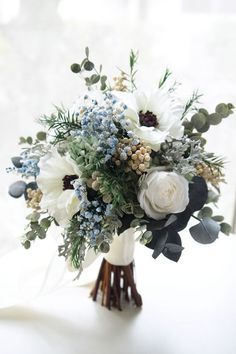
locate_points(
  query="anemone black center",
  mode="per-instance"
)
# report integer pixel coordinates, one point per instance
(67, 181)
(148, 119)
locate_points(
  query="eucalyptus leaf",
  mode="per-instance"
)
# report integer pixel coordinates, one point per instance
(222, 109)
(214, 119)
(225, 228)
(198, 120)
(204, 128)
(87, 52)
(159, 238)
(16, 160)
(29, 140)
(206, 231)
(88, 65)
(41, 136)
(173, 247)
(17, 189)
(75, 68)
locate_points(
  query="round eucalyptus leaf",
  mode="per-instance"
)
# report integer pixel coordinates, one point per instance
(41, 136)
(198, 120)
(88, 65)
(214, 118)
(27, 244)
(222, 109)
(104, 247)
(225, 228)
(75, 68)
(31, 235)
(206, 231)
(17, 189)
(203, 111)
(204, 128)
(16, 160)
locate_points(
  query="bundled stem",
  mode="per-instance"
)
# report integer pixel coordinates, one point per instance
(114, 283)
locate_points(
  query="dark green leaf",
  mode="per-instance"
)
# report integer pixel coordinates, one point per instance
(41, 136)
(87, 52)
(214, 118)
(198, 120)
(225, 228)
(88, 65)
(222, 109)
(94, 78)
(75, 68)
(29, 140)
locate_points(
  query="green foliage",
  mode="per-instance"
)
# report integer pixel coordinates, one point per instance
(82, 151)
(225, 228)
(164, 78)
(190, 104)
(36, 228)
(207, 212)
(74, 246)
(60, 123)
(96, 76)
(202, 120)
(130, 77)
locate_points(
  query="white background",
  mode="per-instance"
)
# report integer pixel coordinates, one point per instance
(189, 307)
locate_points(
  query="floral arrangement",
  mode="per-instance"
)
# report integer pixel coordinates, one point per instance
(121, 158)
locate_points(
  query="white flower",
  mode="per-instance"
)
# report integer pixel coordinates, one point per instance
(163, 193)
(59, 199)
(153, 117)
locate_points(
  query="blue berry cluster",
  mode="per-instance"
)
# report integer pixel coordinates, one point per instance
(101, 121)
(92, 214)
(26, 165)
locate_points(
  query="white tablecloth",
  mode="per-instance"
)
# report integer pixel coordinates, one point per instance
(189, 307)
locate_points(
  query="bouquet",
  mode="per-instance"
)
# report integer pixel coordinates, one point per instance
(121, 161)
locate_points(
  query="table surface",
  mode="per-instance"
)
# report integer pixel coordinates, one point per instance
(188, 307)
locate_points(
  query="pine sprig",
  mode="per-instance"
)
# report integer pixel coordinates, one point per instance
(164, 78)
(61, 123)
(190, 104)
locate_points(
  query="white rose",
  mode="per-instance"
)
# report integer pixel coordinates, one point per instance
(163, 193)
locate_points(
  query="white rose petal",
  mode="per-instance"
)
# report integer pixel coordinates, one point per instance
(163, 193)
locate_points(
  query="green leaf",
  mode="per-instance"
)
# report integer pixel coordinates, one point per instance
(222, 109)
(31, 235)
(45, 223)
(26, 244)
(164, 78)
(198, 120)
(103, 79)
(29, 140)
(87, 52)
(206, 212)
(34, 217)
(214, 118)
(206, 231)
(75, 68)
(205, 128)
(41, 136)
(218, 218)
(104, 247)
(22, 140)
(88, 65)
(225, 228)
(203, 111)
(94, 78)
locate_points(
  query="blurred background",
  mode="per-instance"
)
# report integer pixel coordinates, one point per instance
(196, 39)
